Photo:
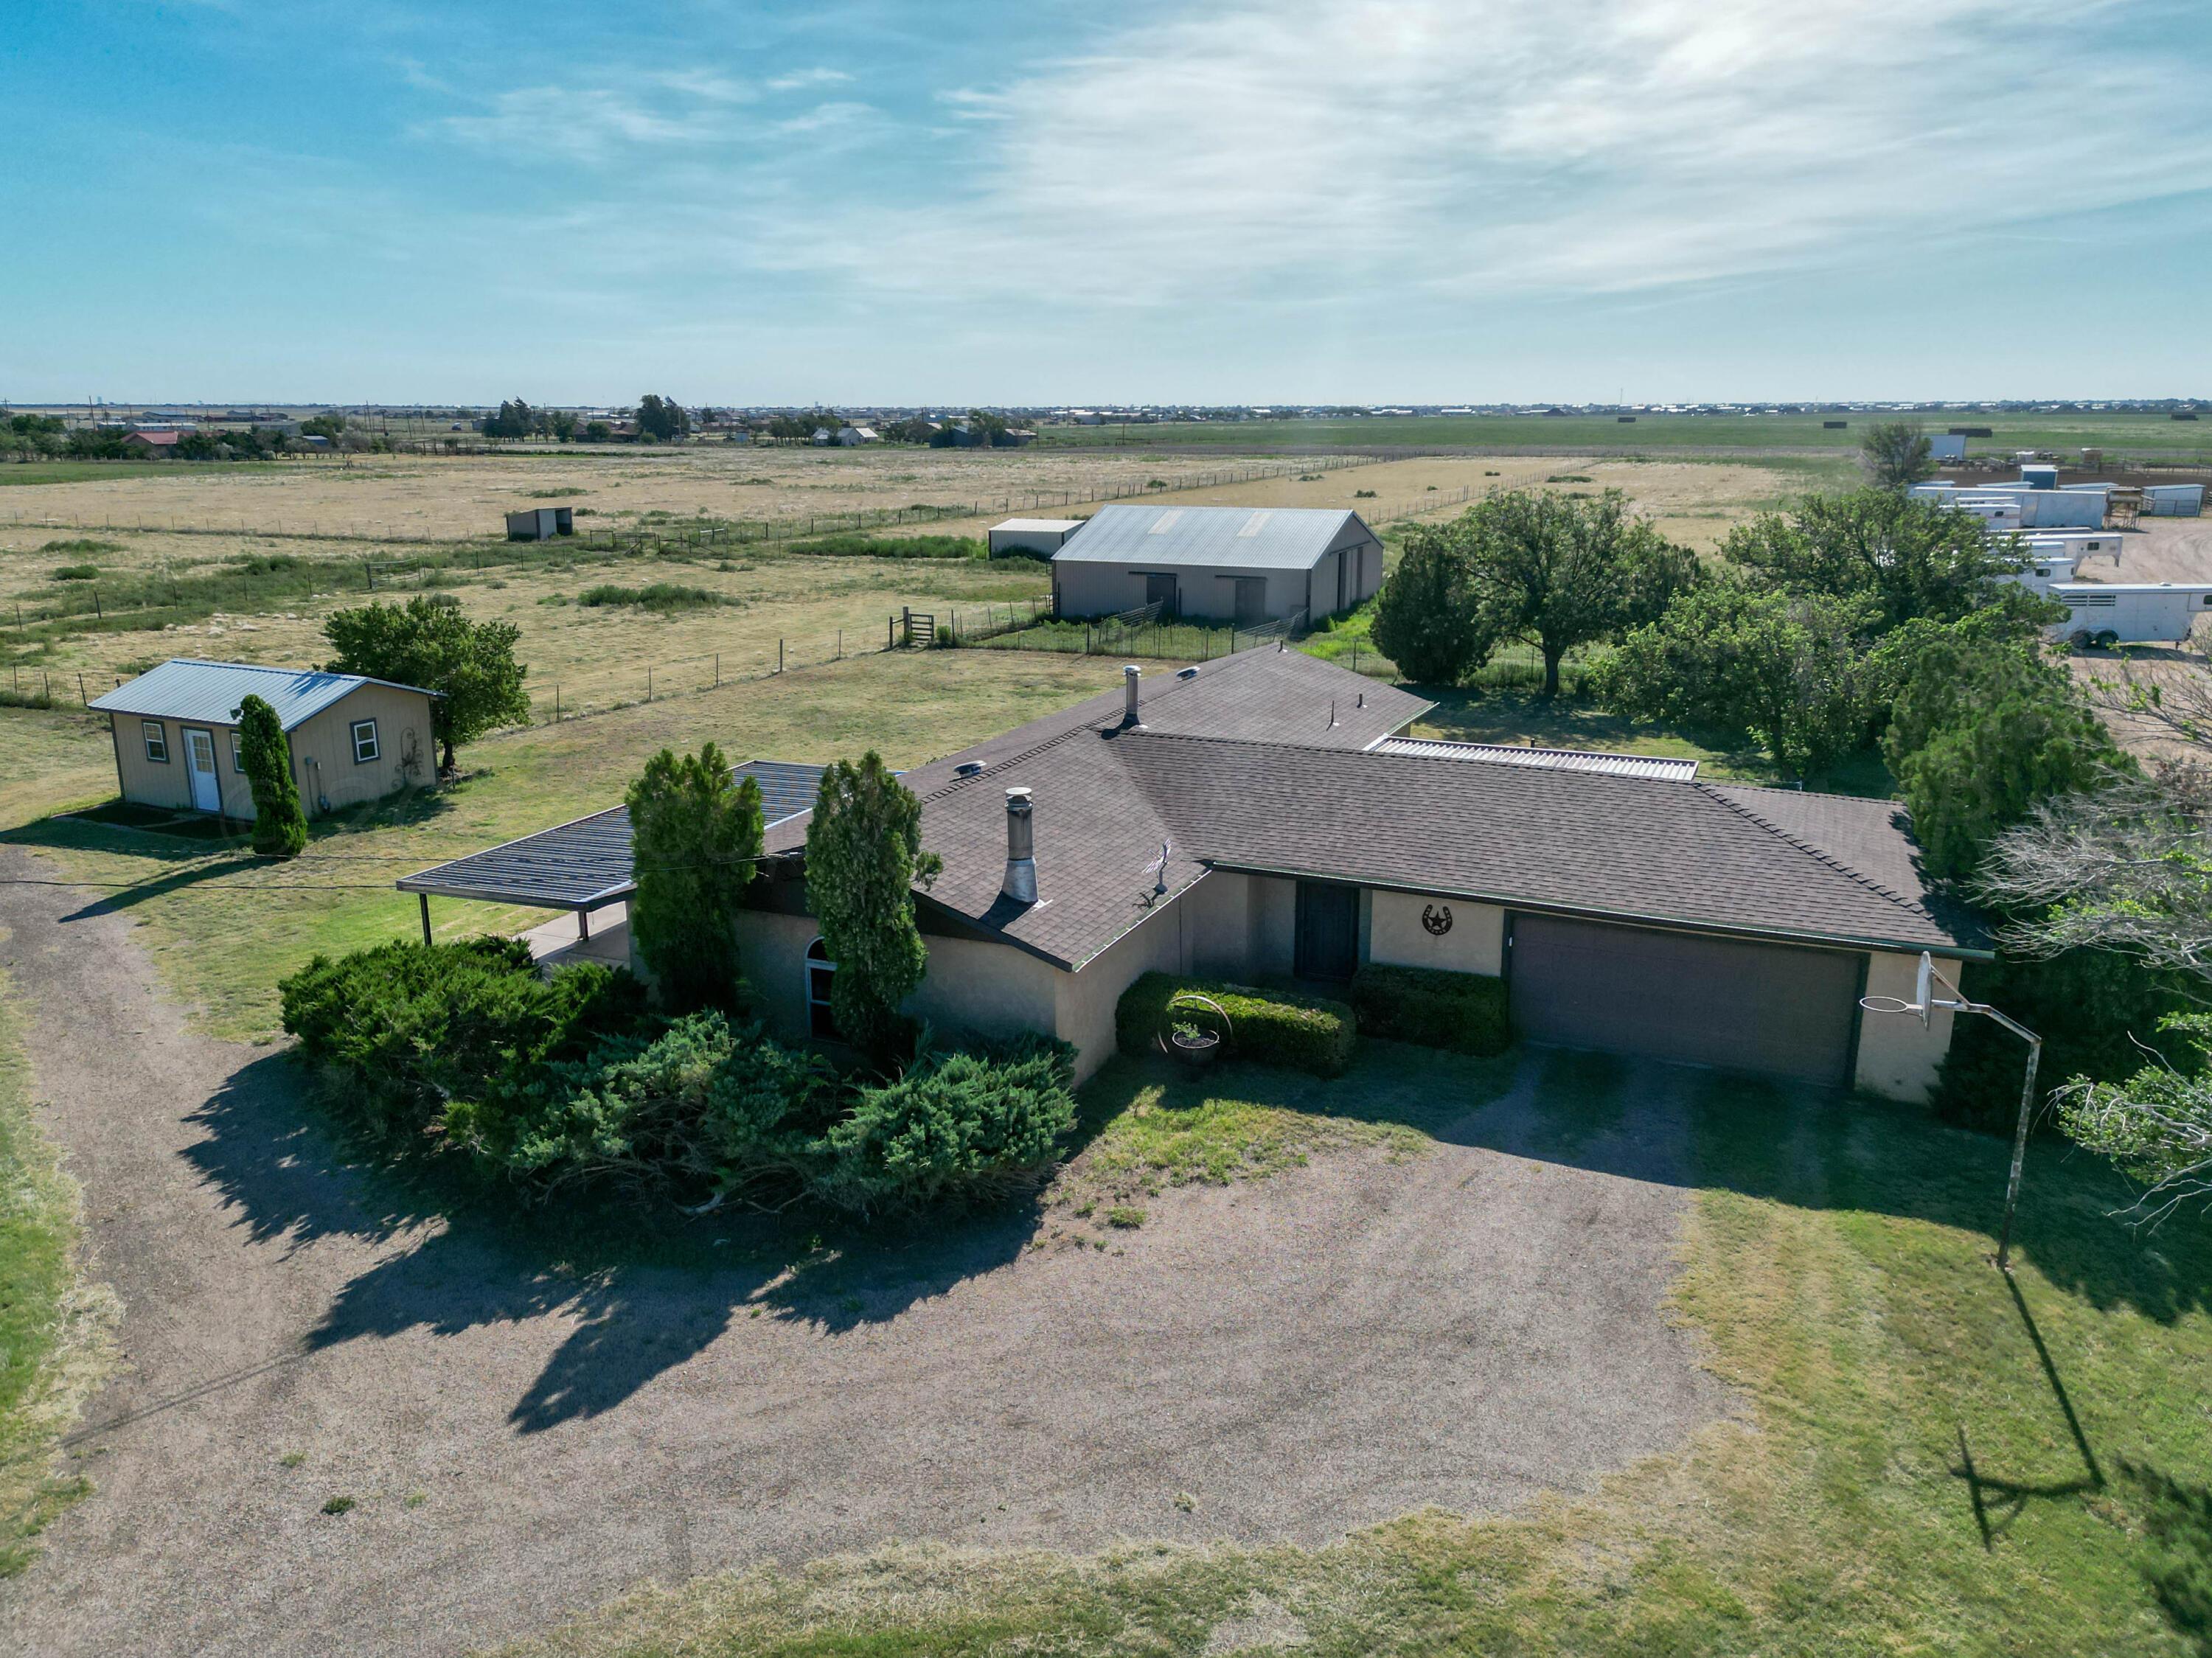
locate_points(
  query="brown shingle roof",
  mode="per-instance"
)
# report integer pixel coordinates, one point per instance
(1630, 847)
(1238, 768)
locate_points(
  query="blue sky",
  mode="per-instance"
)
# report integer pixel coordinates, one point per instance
(1353, 200)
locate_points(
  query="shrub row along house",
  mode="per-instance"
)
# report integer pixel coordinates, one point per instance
(1245, 565)
(351, 738)
(1262, 816)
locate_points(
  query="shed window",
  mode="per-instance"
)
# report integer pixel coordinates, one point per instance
(364, 742)
(820, 1022)
(237, 752)
(157, 741)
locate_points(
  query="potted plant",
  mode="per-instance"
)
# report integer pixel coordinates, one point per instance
(1192, 1043)
(1190, 1035)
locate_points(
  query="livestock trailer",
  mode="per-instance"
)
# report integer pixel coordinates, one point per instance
(541, 523)
(2128, 612)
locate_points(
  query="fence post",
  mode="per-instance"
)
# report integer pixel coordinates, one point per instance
(718, 671)
(648, 684)
(81, 695)
(779, 656)
(557, 705)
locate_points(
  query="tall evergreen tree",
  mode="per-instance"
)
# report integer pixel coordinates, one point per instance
(696, 839)
(864, 857)
(280, 827)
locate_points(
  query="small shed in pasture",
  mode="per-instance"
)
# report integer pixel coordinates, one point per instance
(541, 523)
(351, 738)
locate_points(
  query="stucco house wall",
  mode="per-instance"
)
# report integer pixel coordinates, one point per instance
(1475, 941)
(1896, 1057)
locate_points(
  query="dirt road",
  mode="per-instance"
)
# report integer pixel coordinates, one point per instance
(1301, 1356)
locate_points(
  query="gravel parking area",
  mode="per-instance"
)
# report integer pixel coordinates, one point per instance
(1283, 1360)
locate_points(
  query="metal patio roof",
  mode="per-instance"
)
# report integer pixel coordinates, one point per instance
(587, 862)
(1509, 754)
(186, 687)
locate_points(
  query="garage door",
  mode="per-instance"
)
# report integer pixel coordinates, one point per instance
(1680, 996)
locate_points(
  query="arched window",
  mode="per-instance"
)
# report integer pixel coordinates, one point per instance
(819, 967)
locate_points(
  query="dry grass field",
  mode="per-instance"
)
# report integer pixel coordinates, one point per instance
(464, 498)
(771, 604)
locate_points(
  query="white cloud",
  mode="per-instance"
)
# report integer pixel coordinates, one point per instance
(808, 77)
(1470, 146)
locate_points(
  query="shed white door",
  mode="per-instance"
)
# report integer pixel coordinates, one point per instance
(1686, 997)
(199, 761)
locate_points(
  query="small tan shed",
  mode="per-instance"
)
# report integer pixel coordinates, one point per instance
(352, 738)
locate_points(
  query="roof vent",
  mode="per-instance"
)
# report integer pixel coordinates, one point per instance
(1187, 673)
(1020, 883)
(967, 768)
(1132, 677)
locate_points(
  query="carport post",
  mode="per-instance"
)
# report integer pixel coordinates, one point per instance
(583, 926)
(425, 898)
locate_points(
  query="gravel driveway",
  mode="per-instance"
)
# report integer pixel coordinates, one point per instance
(1302, 1355)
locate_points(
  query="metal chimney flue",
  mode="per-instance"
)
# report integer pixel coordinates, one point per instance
(1133, 679)
(1020, 883)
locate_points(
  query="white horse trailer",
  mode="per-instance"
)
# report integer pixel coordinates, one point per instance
(2081, 544)
(2043, 569)
(2128, 612)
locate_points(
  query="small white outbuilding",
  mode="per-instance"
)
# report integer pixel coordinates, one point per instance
(1042, 536)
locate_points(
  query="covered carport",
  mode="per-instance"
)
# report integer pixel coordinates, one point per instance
(585, 869)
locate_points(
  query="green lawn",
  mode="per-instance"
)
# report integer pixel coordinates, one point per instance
(2151, 436)
(51, 1340)
(1928, 1458)
(88, 471)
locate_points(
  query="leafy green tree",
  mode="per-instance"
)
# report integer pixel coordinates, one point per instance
(333, 427)
(1898, 454)
(695, 836)
(2157, 1124)
(597, 431)
(662, 419)
(1425, 614)
(1781, 668)
(864, 859)
(1900, 558)
(430, 642)
(1980, 734)
(1561, 571)
(280, 827)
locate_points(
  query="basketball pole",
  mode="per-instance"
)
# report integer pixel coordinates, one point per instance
(1957, 1003)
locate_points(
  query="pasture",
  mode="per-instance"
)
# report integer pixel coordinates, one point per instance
(2120, 433)
(79, 597)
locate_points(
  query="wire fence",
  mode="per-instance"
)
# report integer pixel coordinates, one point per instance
(708, 534)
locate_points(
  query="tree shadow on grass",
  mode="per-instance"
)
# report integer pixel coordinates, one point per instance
(647, 1288)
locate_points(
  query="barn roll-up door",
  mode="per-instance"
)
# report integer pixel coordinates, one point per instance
(1686, 997)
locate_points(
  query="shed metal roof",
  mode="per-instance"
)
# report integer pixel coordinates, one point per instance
(1033, 524)
(186, 687)
(1509, 754)
(587, 861)
(1229, 537)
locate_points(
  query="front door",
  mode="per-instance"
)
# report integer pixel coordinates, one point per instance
(1160, 590)
(1328, 930)
(199, 761)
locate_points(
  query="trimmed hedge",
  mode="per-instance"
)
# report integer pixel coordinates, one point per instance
(1462, 1012)
(1273, 1027)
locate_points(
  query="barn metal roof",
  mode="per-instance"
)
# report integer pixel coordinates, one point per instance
(587, 862)
(1229, 538)
(186, 687)
(1508, 754)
